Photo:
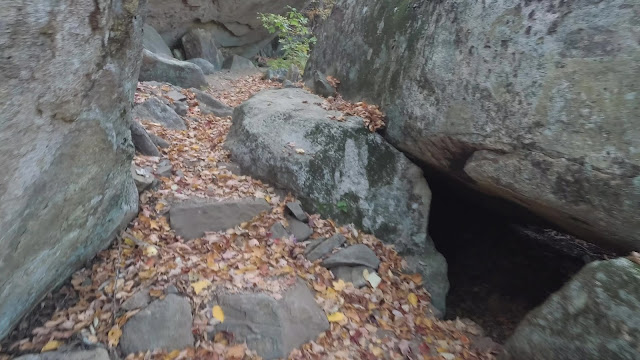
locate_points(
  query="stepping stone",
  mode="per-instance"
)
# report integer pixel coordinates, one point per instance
(164, 324)
(154, 110)
(298, 229)
(352, 274)
(175, 95)
(295, 209)
(272, 328)
(93, 354)
(324, 247)
(192, 218)
(278, 231)
(141, 177)
(354, 255)
(139, 300)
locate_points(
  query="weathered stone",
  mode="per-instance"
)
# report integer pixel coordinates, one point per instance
(276, 74)
(352, 274)
(278, 231)
(320, 85)
(209, 105)
(272, 327)
(180, 108)
(295, 208)
(207, 67)
(68, 79)
(94, 354)
(153, 42)
(178, 54)
(176, 72)
(289, 85)
(191, 219)
(238, 63)
(139, 300)
(154, 110)
(141, 177)
(433, 268)
(175, 95)
(298, 229)
(164, 324)
(534, 102)
(594, 316)
(199, 43)
(293, 74)
(164, 169)
(234, 24)
(353, 255)
(158, 141)
(324, 247)
(142, 140)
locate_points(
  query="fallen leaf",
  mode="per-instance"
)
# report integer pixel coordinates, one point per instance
(413, 299)
(336, 317)
(235, 352)
(217, 313)
(300, 151)
(51, 345)
(339, 285)
(198, 286)
(114, 336)
(373, 279)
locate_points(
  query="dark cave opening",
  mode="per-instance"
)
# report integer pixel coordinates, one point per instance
(502, 261)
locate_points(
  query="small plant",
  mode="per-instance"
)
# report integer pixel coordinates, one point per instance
(294, 34)
(342, 206)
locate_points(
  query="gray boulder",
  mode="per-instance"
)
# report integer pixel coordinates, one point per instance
(355, 255)
(209, 105)
(199, 43)
(158, 141)
(534, 102)
(142, 177)
(176, 72)
(272, 327)
(594, 316)
(352, 274)
(142, 140)
(294, 208)
(139, 300)
(206, 66)
(153, 42)
(164, 324)
(154, 110)
(68, 78)
(94, 354)
(191, 219)
(320, 85)
(238, 63)
(298, 229)
(276, 74)
(322, 247)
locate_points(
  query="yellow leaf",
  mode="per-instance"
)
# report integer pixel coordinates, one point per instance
(129, 241)
(339, 285)
(268, 198)
(159, 206)
(198, 286)
(172, 355)
(154, 225)
(150, 250)
(335, 317)
(218, 314)
(146, 274)
(51, 345)
(413, 299)
(235, 352)
(376, 351)
(114, 336)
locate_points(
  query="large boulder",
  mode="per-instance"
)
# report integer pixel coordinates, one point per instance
(153, 42)
(199, 43)
(162, 69)
(234, 24)
(154, 110)
(535, 102)
(594, 316)
(68, 74)
(338, 169)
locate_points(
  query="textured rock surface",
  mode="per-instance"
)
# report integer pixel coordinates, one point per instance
(209, 105)
(153, 42)
(352, 274)
(154, 110)
(237, 63)
(142, 140)
(199, 43)
(273, 327)
(323, 247)
(206, 66)
(234, 24)
(355, 255)
(176, 72)
(191, 219)
(594, 316)
(536, 102)
(95, 354)
(164, 324)
(68, 78)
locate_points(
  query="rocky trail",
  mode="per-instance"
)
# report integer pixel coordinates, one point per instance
(260, 279)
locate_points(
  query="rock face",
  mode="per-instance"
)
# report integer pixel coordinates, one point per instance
(176, 72)
(234, 24)
(338, 169)
(68, 78)
(594, 316)
(164, 324)
(273, 327)
(535, 102)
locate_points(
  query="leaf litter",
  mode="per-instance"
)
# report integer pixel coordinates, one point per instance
(391, 318)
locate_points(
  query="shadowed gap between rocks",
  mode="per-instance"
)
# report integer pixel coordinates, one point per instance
(503, 261)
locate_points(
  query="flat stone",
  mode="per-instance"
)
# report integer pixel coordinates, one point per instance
(295, 208)
(236, 62)
(141, 177)
(181, 108)
(324, 247)
(272, 328)
(164, 324)
(164, 169)
(158, 141)
(354, 255)
(172, 71)
(209, 105)
(278, 231)
(298, 229)
(142, 140)
(207, 67)
(352, 274)
(175, 95)
(154, 110)
(191, 219)
(93, 354)
(139, 300)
